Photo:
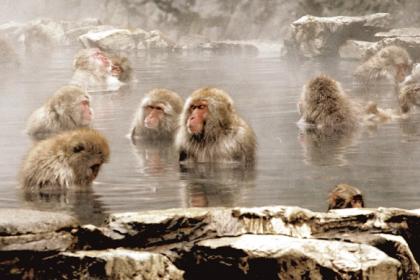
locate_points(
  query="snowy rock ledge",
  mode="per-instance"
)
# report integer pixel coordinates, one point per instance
(230, 243)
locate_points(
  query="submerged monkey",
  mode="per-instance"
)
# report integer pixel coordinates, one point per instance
(69, 108)
(71, 158)
(157, 118)
(212, 131)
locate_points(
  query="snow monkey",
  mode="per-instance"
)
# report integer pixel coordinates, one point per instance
(391, 62)
(212, 131)
(325, 106)
(157, 118)
(120, 67)
(345, 196)
(69, 108)
(72, 158)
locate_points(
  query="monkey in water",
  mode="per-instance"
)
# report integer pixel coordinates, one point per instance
(120, 67)
(69, 108)
(345, 196)
(157, 118)
(72, 158)
(391, 62)
(212, 131)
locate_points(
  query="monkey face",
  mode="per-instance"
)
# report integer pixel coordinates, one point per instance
(86, 112)
(154, 114)
(196, 121)
(401, 71)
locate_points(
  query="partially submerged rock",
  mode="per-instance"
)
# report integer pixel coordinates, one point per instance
(410, 43)
(354, 49)
(322, 36)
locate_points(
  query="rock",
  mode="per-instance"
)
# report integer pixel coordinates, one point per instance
(394, 246)
(22, 229)
(411, 44)
(44, 33)
(399, 32)
(156, 40)
(23, 221)
(109, 40)
(109, 264)
(353, 49)
(281, 257)
(322, 36)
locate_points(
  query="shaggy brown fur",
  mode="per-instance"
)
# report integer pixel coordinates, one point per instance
(345, 196)
(391, 62)
(225, 138)
(172, 107)
(61, 112)
(68, 159)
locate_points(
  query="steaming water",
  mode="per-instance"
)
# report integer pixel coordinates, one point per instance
(383, 163)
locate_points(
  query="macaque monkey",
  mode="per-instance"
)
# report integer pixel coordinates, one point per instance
(157, 118)
(93, 71)
(409, 96)
(391, 62)
(345, 196)
(120, 67)
(325, 106)
(69, 108)
(72, 158)
(212, 131)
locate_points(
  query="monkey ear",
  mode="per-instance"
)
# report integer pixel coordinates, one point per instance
(78, 148)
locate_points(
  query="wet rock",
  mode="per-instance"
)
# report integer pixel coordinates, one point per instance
(109, 40)
(156, 40)
(281, 257)
(399, 32)
(109, 264)
(43, 34)
(35, 230)
(394, 246)
(322, 36)
(353, 49)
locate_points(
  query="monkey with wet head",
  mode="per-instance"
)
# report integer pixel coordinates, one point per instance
(120, 67)
(212, 131)
(69, 108)
(71, 158)
(157, 118)
(345, 196)
(392, 62)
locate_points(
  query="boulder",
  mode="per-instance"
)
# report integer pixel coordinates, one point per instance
(399, 32)
(282, 257)
(322, 36)
(109, 40)
(43, 34)
(109, 264)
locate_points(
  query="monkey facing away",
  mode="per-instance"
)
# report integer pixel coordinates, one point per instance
(69, 108)
(325, 106)
(212, 131)
(345, 196)
(391, 62)
(72, 158)
(157, 118)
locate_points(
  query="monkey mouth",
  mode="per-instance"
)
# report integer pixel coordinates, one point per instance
(95, 170)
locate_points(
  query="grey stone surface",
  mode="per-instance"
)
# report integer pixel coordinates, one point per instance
(411, 44)
(399, 32)
(322, 36)
(268, 256)
(24, 221)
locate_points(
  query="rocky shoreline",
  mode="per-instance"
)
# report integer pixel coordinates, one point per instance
(233, 243)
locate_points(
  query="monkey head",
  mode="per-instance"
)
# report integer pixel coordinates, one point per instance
(85, 151)
(208, 112)
(93, 60)
(345, 196)
(71, 104)
(158, 115)
(409, 96)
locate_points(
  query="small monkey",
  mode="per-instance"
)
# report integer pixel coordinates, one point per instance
(212, 131)
(325, 106)
(120, 67)
(409, 96)
(69, 108)
(72, 158)
(157, 118)
(93, 70)
(345, 196)
(391, 62)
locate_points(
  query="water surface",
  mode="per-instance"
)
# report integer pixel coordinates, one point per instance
(384, 162)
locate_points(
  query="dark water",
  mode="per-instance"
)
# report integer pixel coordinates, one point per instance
(384, 163)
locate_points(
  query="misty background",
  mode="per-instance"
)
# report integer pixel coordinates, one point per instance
(214, 19)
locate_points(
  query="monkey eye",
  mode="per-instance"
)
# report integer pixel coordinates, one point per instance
(78, 148)
(85, 103)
